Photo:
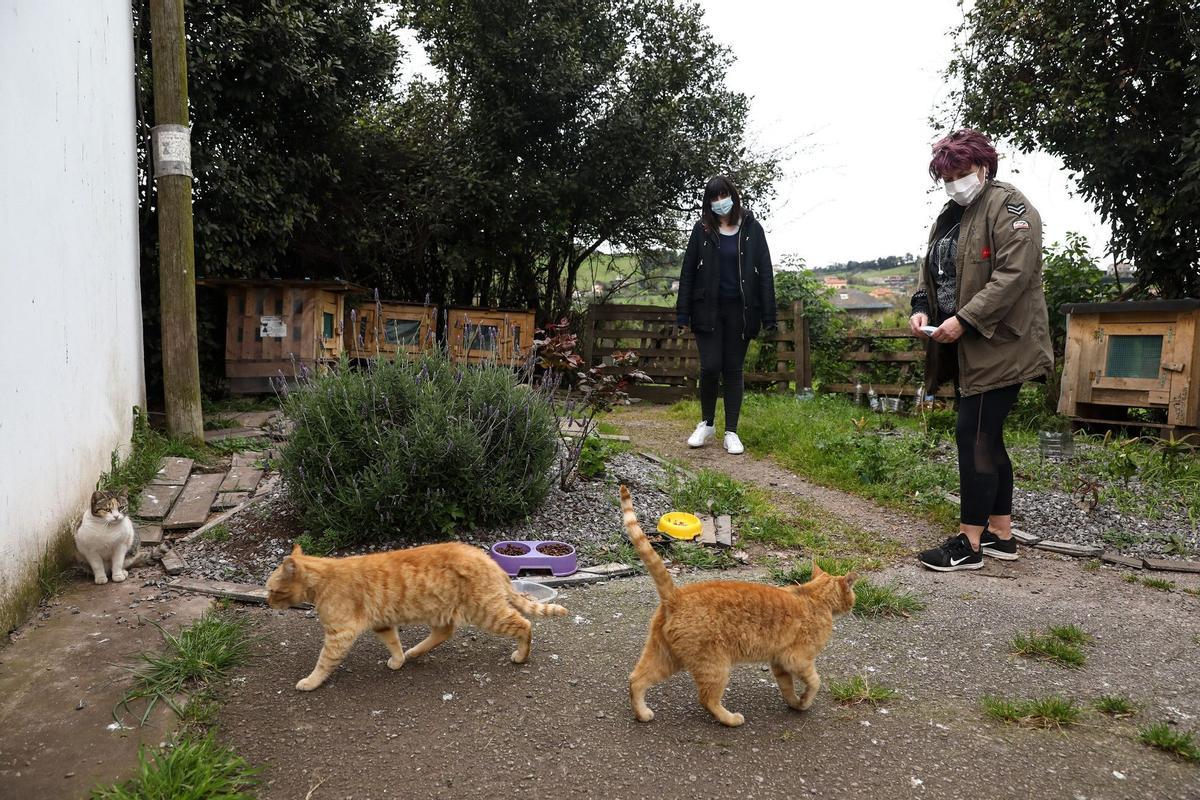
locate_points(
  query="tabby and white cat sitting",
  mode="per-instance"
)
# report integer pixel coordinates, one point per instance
(706, 628)
(439, 585)
(107, 534)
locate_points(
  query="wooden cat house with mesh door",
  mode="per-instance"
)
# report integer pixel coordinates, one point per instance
(1132, 355)
(280, 327)
(389, 329)
(476, 335)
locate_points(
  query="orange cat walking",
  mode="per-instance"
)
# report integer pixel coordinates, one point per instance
(439, 585)
(706, 628)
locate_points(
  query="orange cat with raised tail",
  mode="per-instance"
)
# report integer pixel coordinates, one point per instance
(706, 628)
(439, 585)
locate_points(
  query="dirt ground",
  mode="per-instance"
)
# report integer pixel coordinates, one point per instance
(465, 722)
(61, 676)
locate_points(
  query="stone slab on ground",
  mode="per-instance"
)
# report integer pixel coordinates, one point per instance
(191, 509)
(241, 592)
(233, 433)
(173, 563)
(576, 579)
(241, 479)
(264, 491)
(229, 500)
(1170, 565)
(708, 530)
(724, 531)
(1111, 557)
(246, 459)
(612, 570)
(149, 534)
(1025, 538)
(254, 419)
(1068, 549)
(157, 499)
(173, 471)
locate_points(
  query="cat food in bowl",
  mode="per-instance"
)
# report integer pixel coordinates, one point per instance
(535, 591)
(557, 558)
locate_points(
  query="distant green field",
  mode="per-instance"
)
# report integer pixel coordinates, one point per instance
(609, 268)
(860, 277)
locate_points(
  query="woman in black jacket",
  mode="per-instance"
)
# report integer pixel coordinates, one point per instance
(726, 294)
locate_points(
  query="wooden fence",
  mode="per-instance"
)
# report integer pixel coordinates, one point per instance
(671, 358)
(861, 349)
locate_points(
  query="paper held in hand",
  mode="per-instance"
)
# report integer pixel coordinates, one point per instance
(928, 329)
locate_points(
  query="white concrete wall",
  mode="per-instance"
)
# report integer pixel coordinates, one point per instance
(70, 306)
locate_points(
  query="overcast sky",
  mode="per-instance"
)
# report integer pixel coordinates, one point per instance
(852, 84)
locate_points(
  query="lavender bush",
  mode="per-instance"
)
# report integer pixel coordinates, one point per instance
(414, 449)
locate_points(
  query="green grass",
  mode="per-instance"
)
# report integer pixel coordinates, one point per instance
(700, 557)
(1060, 645)
(217, 533)
(801, 571)
(1129, 577)
(1164, 737)
(859, 690)
(1044, 712)
(884, 600)
(238, 444)
(220, 423)
(595, 455)
(236, 405)
(200, 654)
(1092, 564)
(1162, 584)
(1192, 592)
(189, 769)
(693, 494)
(148, 448)
(1115, 705)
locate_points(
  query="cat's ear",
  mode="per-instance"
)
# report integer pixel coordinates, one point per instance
(849, 578)
(96, 497)
(123, 494)
(288, 567)
(296, 550)
(816, 569)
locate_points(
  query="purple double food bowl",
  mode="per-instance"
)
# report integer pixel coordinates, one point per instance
(516, 557)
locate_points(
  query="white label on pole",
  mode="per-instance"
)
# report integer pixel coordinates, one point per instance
(272, 327)
(172, 150)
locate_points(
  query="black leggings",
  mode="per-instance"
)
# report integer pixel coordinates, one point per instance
(985, 475)
(722, 354)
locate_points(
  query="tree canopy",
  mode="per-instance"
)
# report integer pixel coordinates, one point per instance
(1113, 88)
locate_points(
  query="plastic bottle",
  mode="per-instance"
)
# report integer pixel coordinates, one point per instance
(872, 399)
(858, 393)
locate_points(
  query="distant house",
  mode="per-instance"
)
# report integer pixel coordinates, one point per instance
(858, 304)
(887, 295)
(898, 281)
(835, 282)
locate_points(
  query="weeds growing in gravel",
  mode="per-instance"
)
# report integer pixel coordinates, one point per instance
(1044, 712)
(859, 690)
(189, 769)
(200, 654)
(1059, 644)
(1164, 737)
(217, 533)
(699, 557)
(1162, 584)
(884, 600)
(1115, 705)
(1129, 577)
(692, 494)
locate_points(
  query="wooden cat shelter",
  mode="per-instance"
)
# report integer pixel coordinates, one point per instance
(1132, 355)
(389, 329)
(280, 327)
(476, 335)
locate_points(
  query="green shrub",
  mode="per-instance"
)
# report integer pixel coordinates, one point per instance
(413, 449)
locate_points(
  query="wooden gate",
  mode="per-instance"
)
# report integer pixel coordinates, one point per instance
(672, 360)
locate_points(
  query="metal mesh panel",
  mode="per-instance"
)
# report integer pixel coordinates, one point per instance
(402, 331)
(1133, 356)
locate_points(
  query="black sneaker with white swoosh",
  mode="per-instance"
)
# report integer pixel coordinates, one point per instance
(992, 545)
(954, 554)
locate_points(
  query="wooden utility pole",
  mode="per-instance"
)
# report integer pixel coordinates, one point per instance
(176, 250)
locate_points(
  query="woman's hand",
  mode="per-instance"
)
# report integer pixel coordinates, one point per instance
(916, 321)
(949, 331)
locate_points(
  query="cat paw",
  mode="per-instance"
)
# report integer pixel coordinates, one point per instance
(806, 703)
(518, 657)
(395, 663)
(119, 577)
(101, 579)
(307, 684)
(644, 716)
(734, 720)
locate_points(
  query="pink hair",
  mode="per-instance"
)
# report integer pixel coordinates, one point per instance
(960, 151)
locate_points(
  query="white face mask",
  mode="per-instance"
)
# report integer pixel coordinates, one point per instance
(965, 189)
(722, 207)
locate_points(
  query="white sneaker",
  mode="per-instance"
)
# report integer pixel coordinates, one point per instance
(733, 444)
(702, 434)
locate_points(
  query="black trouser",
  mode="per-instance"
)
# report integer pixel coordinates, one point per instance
(985, 475)
(722, 354)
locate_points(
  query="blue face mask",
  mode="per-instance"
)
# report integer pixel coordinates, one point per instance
(722, 207)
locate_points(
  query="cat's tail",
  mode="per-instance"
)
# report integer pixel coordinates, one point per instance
(654, 564)
(145, 556)
(532, 608)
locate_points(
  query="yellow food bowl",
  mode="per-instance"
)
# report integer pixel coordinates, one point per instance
(679, 525)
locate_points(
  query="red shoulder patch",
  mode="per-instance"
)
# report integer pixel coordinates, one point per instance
(987, 253)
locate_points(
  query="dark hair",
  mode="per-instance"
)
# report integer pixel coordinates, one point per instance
(962, 150)
(713, 189)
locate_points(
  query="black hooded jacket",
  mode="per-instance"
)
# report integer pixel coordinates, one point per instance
(700, 278)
